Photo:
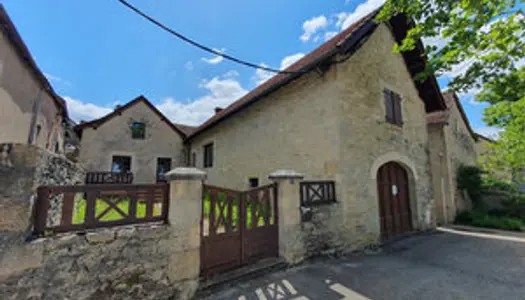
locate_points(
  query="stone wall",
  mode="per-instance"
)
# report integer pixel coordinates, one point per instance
(23, 168)
(321, 233)
(126, 263)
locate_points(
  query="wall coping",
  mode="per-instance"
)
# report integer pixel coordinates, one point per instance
(185, 174)
(286, 174)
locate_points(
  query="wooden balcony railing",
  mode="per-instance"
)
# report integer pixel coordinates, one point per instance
(109, 178)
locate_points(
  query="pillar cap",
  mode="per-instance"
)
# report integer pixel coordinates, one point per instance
(185, 174)
(286, 174)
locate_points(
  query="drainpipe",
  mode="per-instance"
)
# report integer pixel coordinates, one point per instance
(443, 199)
(34, 117)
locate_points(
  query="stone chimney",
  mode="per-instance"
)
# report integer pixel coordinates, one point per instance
(218, 109)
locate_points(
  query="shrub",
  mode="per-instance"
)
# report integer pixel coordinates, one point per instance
(469, 178)
(480, 218)
(491, 183)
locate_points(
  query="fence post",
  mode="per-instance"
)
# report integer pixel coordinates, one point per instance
(291, 246)
(184, 217)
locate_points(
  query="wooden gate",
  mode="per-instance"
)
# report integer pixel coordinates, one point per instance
(394, 201)
(237, 228)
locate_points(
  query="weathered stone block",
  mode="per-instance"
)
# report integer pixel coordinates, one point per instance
(103, 236)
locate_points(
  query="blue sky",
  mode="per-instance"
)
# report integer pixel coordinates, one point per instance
(97, 54)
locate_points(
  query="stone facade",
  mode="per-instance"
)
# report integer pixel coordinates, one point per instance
(100, 143)
(452, 143)
(129, 263)
(332, 127)
(23, 169)
(30, 111)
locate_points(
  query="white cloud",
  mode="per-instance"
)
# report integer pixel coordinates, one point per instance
(214, 60)
(79, 110)
(221, 93)
(330, 34)
(363, 9)
(310, 27)
(490, 132)
(290, 60)
(230, 74)
(189, 66)
(261, 75)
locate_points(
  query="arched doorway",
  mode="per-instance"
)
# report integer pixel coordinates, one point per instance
(394, 200)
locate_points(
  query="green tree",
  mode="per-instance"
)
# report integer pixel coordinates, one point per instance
(490, 36)
(489, 33)
(507, 111)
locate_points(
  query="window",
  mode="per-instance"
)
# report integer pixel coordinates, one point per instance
(121, 164)
(254, 182)
(193, 162)
(208, 155)
(163, 167)
(138, 130)
(393, 108)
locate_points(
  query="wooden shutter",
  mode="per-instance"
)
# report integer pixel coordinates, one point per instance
(388, 106)
(398, 115)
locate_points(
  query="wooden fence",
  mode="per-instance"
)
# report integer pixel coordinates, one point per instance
(81, 207)
(109, 178)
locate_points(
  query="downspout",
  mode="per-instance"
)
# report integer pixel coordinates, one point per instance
(443, 198)
(34, 117)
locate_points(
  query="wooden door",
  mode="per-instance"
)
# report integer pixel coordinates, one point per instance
(394, 201)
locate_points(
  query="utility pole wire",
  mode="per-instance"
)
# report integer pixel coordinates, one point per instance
(201, 46)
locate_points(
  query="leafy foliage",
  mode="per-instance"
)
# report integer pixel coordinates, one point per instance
(469, 178)
(507, 111)
(488, 31)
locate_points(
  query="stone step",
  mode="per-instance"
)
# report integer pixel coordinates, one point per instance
(218, 282)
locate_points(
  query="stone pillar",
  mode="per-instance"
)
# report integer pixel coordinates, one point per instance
(184, 218)
(291, 246)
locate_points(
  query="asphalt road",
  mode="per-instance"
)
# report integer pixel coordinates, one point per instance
(437, 266)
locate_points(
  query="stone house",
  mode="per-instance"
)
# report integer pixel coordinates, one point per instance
(136, 138)
(453, 143)
(350, 111)
(30, 110)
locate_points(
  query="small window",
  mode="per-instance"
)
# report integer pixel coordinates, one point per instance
(393, 107)
(138, 130)
(193, 159)
(254, 182)
(121, 164)
(163, 167)
(208, 155)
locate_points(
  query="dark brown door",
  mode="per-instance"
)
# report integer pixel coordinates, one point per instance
(394, 202)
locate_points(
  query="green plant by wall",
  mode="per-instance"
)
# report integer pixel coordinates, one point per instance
(469, 179)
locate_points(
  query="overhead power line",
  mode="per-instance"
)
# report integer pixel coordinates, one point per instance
(199, 45)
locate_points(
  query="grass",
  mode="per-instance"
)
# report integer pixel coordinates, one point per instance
(480, 218)
(79, 213)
